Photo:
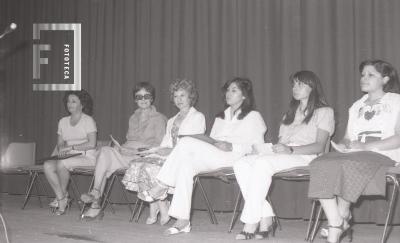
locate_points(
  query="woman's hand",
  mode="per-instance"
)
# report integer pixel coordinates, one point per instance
(225, 146)
(163, 151)
(127, 151)
(280, 148)
(63, 150)
(357, 145)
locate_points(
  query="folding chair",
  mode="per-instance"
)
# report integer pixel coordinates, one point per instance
(20, 159)
(226, 174)
(392, 177)
(301, 173)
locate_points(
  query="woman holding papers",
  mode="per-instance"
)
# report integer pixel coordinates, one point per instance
(304, 133)
(371, 143)
(233, 133)
(146, 129)
(76, 134)
(143, 171)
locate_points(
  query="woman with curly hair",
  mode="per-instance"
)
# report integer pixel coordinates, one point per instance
(76, 134)
(142, 173)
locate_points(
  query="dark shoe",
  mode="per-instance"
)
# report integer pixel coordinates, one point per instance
(243, 235)
(260, 235)
(99, 215)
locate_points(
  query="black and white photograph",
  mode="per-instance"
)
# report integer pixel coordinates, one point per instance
(199, 121)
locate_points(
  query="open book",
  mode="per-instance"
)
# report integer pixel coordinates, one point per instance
(58, 157)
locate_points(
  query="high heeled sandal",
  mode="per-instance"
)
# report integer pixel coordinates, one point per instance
(324, 230)
(243, 235)
(53, 205)
(260, 235)
(153, 219)
(176, 230)
(98, 216)
(60, 210)
(343, 232)
(89, 197)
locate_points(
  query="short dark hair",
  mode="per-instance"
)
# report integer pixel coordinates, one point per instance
(84, 97)
(386, 70)
(245, 85)
(146, 86)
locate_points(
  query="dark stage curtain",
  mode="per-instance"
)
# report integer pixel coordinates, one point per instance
(208, 41)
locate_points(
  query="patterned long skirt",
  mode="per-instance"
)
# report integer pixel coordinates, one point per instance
(348, 175)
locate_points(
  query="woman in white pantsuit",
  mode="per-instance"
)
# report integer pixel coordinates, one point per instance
(304, 132)
(234, 131)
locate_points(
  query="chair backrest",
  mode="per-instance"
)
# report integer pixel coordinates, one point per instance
(19, 154)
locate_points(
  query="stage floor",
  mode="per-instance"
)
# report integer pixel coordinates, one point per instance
(35, 224)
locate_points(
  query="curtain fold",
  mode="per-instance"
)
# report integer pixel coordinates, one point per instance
(209, 41)
(125, 42)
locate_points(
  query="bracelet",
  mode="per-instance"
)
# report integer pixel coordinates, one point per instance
(291, 149)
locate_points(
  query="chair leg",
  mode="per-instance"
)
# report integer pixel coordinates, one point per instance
(84, 204)
(316, 222)
(134, 209)
(38, 191)
(274, 218)
(75, 191)
(31, 181)
(391, 206)
(106, 201)
(125, 196)
(314, 204)
(237, 203)
(139, 212)
(43, 186)
(210, 210)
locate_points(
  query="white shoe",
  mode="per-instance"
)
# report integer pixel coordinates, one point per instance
(176, 230)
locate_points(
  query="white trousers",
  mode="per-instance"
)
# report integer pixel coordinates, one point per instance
(254, 175)
(190, 157)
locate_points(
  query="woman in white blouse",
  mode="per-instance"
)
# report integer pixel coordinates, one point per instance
(234, 131)
(142, 172)
(304, 133)
(76, 134)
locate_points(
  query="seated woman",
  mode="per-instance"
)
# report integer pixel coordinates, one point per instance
(372, 141)
(304, 133)
(76, 134)
(146, 129)
(142, 172)
(233, 133)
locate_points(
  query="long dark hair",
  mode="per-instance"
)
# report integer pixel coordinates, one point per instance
(386, 70)
(248, 103)
(315, 100)
(84, 97)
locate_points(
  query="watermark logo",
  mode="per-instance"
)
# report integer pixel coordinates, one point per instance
(66, 68)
